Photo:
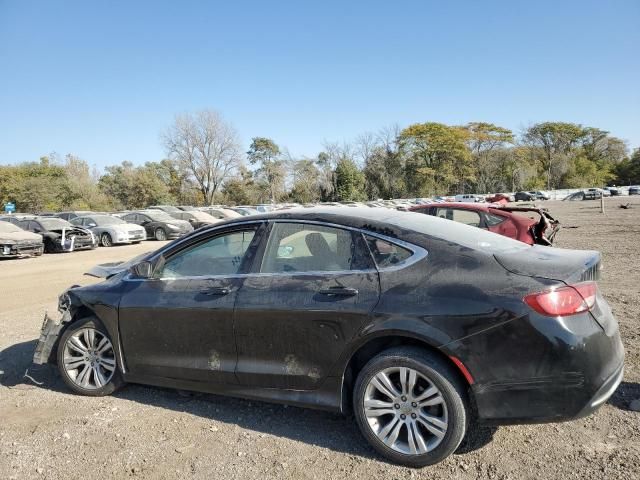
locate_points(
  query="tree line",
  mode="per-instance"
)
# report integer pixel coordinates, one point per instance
(206, 165)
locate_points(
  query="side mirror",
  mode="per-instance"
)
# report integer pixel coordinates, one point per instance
(143, 269)
(91, 225)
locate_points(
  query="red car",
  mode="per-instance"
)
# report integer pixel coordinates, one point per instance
(530, 225)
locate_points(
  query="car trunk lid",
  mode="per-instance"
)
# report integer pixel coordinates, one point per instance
(565, 265)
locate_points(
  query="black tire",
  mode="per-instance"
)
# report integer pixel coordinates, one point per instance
(160, 234)
(114, 382)
(48, 246)
(442, 376)
(106, 240)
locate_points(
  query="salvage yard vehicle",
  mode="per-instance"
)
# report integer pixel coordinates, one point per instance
(540, 195)
(16, 242)
(592, 194)
(68, 216)
(224, 213)
(524, 197)
(158, 224)
(59, 235)
(16, 218)
(511, 222)
(196, 218)
(418, 324)
(110, 230)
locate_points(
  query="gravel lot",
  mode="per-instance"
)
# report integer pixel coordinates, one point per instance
(144, 432)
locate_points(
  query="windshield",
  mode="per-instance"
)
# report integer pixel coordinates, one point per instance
(107, 220)
(203, 217)
(159, 216)
(167, 208)
(54, 223)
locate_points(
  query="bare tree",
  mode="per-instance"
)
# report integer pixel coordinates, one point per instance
(205, 146)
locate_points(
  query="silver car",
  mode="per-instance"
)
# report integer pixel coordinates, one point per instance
(110, 230)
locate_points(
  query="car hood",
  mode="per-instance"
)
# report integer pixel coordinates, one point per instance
(14, 237)
(106, 270)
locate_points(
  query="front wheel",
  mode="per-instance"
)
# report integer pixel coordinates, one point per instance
(161, 235)
(410, 406)
(105, 240)
(87, 360)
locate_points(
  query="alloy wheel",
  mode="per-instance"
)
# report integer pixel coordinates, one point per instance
(161, 235)
(405, 410)
(106, 240)
(89, 359)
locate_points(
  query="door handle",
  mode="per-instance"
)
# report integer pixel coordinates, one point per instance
(216, 291)
(339, 292)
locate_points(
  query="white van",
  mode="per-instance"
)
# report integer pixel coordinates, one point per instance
(466, 198)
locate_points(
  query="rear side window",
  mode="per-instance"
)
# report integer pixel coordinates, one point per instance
(387, 254)
(493, 220)
(297, 247)
(459, 215)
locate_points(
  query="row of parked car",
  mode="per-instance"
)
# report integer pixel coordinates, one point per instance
(32, 235)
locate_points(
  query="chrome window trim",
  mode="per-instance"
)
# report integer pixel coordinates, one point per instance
(419, 254)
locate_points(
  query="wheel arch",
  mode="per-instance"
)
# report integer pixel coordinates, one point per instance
(372, 346)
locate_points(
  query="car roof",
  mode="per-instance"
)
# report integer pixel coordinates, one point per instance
(484, 207)
(413, 227)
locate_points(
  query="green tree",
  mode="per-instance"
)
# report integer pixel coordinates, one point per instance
(483, 140)
(265, 153)
(555, 142)
(349, 181)
(627, 172)
(241, 190)
(306, 182)
(134, 187)
(438, 158)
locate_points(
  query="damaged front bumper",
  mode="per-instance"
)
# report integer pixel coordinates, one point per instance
(50, 331)
(75, 239)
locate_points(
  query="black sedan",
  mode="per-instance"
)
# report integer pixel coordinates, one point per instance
(59, 235)
(417, 324)
(158, 224)
(524, 197)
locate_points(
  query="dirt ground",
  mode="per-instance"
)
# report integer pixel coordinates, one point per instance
(145, 432)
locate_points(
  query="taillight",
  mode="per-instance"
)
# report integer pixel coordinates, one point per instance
(564, 301)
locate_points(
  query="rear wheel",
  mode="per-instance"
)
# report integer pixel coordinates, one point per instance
(87, 360)
(410, 406)
(160, 234)
(105, 240)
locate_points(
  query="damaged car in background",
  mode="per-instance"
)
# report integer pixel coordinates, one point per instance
(418, 325)
(532, 225)
(59, 235)
(16, 242)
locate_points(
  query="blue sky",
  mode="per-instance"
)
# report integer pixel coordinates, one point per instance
(103, 79)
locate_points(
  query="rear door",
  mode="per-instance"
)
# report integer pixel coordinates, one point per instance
(179, 324)
(312, 289)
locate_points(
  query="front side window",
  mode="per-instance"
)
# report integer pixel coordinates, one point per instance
(221, 255)
(297, 247)
(387, 254)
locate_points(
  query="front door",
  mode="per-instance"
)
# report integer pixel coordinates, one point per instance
(179, 324)
(312, 291)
